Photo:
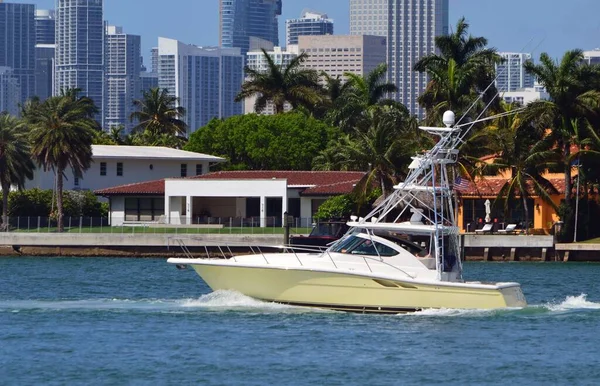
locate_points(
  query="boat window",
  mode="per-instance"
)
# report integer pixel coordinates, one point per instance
(360, 246)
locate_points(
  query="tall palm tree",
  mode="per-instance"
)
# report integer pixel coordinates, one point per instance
(519, 150)
(158, 114)
(62, 132)
(282, 84)
(463, 69)
(15, 161)
(360, 94)
(570, 85)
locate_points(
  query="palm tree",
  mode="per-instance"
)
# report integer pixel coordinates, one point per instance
(570, 85)
(520, 151)
(463, 69)
(158, 114)
(62, 132)
(282, 84)
(384, 150)
(360, 94)
(15, 161)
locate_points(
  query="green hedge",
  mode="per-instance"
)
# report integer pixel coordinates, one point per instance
(37, 202)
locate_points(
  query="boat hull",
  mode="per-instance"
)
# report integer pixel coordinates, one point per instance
(355, 292)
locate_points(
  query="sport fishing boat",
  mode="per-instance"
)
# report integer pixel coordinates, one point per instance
(403, 256)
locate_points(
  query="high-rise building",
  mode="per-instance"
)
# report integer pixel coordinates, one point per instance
(9, 87)
(310, 23)
(45, 26)
(241, 19)
(44, 70)
(148, 80)
(17, 45)
(80, 49)
(154, 56)
(204, 79)
(410, 27)
(339, 54)
(122, 71)
(511, 74)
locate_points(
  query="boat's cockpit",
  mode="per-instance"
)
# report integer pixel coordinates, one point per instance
(376, 245)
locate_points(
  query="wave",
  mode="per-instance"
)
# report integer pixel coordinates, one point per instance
(573, 303)
(215, 301)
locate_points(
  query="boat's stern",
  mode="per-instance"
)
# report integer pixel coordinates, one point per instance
(513, 295)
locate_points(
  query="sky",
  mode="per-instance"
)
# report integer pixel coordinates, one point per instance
(535, 26)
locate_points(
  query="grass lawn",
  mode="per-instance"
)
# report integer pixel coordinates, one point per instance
(591, 241)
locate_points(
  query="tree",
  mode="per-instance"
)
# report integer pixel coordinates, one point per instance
(357, 96)
(463, 69)
(62, 132)
(570, 84)
(15, 160)
(158, 114)
(282, 84)
(383, 150)
(286, 141)
(519, 151)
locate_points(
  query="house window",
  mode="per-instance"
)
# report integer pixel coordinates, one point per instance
(198, 169)
(119, 168)
(144, 209)
(102, 168)
(183, 170)
(76, 181)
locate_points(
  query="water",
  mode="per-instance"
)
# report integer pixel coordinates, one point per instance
(140, 321)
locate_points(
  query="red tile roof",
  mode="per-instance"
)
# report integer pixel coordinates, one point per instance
(156, 187)
(490, 187)
(317, 183)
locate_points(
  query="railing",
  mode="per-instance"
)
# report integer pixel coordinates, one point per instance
(177, 225)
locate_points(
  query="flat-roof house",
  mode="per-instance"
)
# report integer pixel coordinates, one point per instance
(118, 165)
(228, 197)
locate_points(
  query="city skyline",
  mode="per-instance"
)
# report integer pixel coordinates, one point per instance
(534, 26)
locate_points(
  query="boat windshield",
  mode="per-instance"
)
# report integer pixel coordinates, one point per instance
(353, 244)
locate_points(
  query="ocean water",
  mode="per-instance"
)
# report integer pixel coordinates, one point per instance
(98, 321)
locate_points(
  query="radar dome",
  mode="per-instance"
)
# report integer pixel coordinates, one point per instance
(449, 118)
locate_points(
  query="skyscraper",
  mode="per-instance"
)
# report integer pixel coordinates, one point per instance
(17, 45)
(310, 23)
(80, 49)
(204, 79)
(44, 70)
(410, 27)
(9, 87)
(511, 75)
(45, 26)
(122, 71)
(241, 19)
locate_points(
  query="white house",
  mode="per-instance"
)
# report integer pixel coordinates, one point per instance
(258, 198)
(119, 165)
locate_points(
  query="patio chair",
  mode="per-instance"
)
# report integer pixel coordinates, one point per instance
(487, 228)
(510, 229)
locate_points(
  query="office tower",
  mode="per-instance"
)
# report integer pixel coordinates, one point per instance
(310, 23)
(148, 80)
(44, 70)
(122, 71)
(241, 19)
(154, 55)
(204, 79)
(510, 74)
(45, 26)
(80, 49)
(338, 54)
(9, 87)
(410, 27)
(17, 46)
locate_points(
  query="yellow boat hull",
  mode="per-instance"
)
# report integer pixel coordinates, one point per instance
(356, 292)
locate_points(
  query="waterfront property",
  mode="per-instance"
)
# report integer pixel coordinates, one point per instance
(263, 196)
(119, 165)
